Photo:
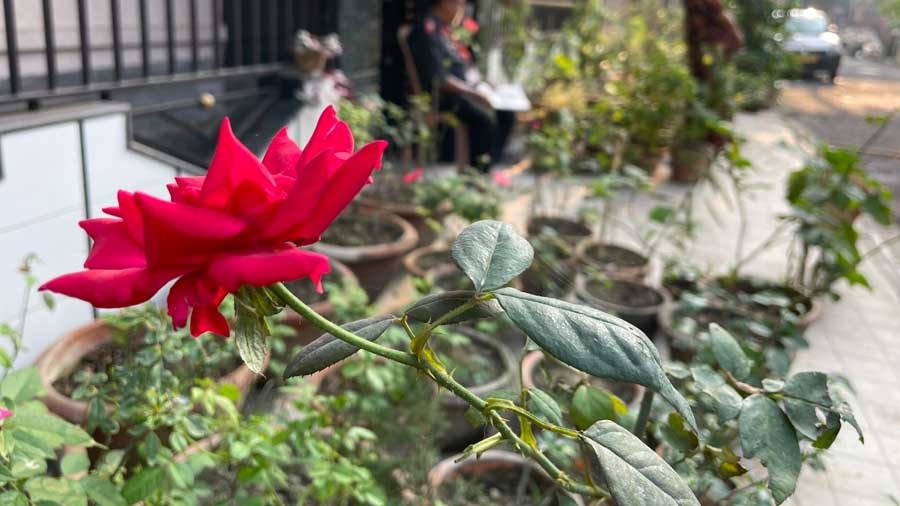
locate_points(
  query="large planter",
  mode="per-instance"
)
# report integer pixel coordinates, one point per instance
(691, 160)
(536, 363)
(612, 260)
(499, 470)
(421, 261)
(304, 289)
(685, 337)
(570, 231)
(65, 355)
(374, 264)
(391, 194)
(634, 302)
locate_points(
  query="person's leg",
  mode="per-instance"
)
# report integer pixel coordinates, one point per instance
(481, 126)
(505, 122)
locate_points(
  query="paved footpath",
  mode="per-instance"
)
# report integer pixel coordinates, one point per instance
(857, 336)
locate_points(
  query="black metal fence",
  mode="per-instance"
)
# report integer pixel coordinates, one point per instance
(248, 37)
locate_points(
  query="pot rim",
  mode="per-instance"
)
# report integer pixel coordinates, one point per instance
(451, 467)
(573, 221)
(583, 246)
(582, 292)
(410, 261)
(356, 254)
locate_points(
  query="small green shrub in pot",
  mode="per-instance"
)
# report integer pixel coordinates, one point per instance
(826, 197)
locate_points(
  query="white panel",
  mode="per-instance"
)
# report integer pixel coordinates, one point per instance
(41, 174)
(111, 166)
(43, 327)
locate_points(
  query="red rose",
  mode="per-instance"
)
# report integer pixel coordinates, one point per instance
(240, 224)
(5, 413)
(470, 25)
(413, 176)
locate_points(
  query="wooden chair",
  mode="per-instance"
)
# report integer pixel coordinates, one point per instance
(461, 133)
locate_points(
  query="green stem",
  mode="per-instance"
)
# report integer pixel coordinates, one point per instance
(418, 343)
(640, 426)
(509, 406)
(345, 335)
(442, 378)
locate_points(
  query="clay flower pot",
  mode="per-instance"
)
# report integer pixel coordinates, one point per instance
(304, 289)
(571, 231)
(611, 260)
(492, 464)
(61, 358)
(691, 160)
(374, 264)
(634, 302)
(421, 261)
(630, 393)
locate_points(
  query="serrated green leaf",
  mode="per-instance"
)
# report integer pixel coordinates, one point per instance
(728, 352)
(74, 463)
(544, 406)
(593, 342)
(767, 433)
(251, 336)
(144, 483)
(58, 491)
(432, 307)
(726, 399)
(22, 385)
(102, 492)
(591, 404)
(328, 349)
(632, 472)
(491, 253)
(676, 435)
(13, 498)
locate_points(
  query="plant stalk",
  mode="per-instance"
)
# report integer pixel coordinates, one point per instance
(442, 378)
(640, 425)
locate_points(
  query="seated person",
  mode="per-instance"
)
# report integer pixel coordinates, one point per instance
(446, 71)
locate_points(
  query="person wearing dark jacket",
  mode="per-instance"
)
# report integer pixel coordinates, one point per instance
(446, 70)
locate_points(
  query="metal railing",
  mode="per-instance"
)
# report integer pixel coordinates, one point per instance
(259, 34)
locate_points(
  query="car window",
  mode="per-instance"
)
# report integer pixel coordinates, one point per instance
(806, 24)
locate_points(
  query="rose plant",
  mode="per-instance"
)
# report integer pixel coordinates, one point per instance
(239, 230)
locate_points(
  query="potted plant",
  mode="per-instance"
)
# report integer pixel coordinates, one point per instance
(371, 243)
(421, 261)
(634, 302)
(692, 153)
(83, 358)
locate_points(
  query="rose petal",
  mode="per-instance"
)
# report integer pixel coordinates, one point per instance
(341, 190)
(234, 170)
(179, 234)
(113, 247)
(263, 268)
(109, 288)
(330, 133)
(208, 319)
(301, 201)
(282, 154)
(191, 290)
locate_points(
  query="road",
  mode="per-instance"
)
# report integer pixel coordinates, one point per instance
(837, 114)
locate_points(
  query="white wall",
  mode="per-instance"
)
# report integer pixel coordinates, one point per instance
(42, 198)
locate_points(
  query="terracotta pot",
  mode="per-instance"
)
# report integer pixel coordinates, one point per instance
(684, 345)
(460, 433)
(310, 61)
(634, 302)
(550, 278)
(754, 285)
(611, 260)
(691, 160)
(304, 331)
(61, 358)
(490, 461)
(414, 260)
(375, 265)
(569, 230)
(530, 377)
